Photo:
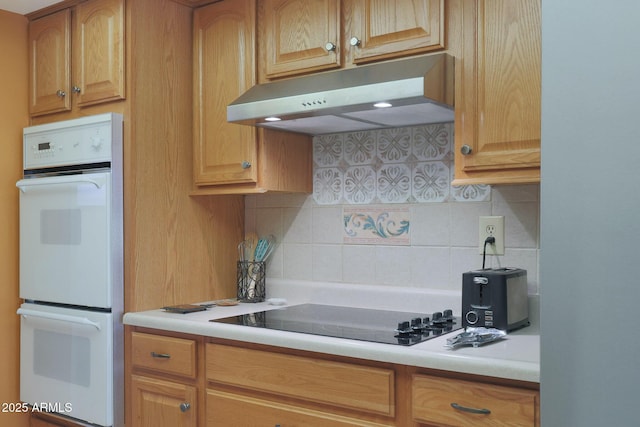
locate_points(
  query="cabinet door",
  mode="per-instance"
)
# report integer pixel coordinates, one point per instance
(224, 68)
(158, 403)
(301, 36)
(98, 51)
(50, 63)
(231, 410)
(383, 29)
(498, 112)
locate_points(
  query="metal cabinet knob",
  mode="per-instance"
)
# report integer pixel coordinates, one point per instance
(354, 41)
(184, 406)
(465, 149)
(76, 89)
(246, 165)
(61, 93)
(330, 46)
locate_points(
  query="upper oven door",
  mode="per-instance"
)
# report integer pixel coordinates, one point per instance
(65, 240)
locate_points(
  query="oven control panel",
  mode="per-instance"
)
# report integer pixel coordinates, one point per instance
(72, 142)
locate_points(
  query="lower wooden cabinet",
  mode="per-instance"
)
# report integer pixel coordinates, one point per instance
(450, 402)
(179, 380)
(163, 403)
(165, 379)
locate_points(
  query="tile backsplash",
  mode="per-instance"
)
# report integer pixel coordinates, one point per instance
(400, 175)
(401, 165)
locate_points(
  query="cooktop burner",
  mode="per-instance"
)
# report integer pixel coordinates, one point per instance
(381, 326)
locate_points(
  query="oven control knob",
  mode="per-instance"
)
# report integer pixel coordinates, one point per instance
(472, 317)
(448, 315)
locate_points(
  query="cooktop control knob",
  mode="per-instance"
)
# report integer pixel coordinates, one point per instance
(448, 315)
(404, 328)
(416, 324)
(437, 319)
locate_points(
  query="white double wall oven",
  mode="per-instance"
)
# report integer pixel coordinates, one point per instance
(71, 269)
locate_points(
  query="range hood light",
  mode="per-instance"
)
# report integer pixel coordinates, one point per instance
(272, 119)
(382, 104)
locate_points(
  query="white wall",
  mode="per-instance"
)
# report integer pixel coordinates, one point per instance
(589, 213)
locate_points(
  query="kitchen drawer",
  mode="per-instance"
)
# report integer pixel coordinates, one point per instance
(164, 354)
(230, 410)
(433, 397)
(322, 381)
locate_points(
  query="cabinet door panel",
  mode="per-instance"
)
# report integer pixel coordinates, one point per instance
(99, 51)
(50, 63)
(388, 29)
(297, 33)
(227, 409)
(162, 403)
(225, 67)
(500, 86)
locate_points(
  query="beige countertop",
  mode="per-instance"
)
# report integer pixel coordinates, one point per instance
(516, 357)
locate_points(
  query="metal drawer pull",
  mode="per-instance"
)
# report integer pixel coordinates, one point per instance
(184, 407)
(160, 355)
(470, 410)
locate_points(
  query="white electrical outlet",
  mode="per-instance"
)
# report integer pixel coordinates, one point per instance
(492, 226)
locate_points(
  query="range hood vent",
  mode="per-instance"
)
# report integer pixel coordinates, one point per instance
(419, 91)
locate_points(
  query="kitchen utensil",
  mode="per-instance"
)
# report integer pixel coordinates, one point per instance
(251, 240)
(264, 247)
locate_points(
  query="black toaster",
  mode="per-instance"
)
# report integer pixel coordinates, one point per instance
(495, 298)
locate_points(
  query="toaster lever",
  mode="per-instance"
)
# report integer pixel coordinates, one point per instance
(480, 307)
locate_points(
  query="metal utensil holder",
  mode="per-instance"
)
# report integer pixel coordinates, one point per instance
(251, 281)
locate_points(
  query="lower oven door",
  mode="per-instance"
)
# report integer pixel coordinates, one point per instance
(66, 362)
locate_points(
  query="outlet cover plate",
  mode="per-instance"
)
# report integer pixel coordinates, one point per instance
(492, 226)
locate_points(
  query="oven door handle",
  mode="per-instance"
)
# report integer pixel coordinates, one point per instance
(61, 317)
(23, 184)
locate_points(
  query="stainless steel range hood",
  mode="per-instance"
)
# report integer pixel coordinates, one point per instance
(420, 91)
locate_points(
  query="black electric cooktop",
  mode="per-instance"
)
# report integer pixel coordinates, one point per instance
(380, 326)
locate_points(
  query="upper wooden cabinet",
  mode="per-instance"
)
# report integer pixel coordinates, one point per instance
(231, 158)
(498, 89)
(301, 36)
(378, 30)
(78, 67)
(50, 63)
